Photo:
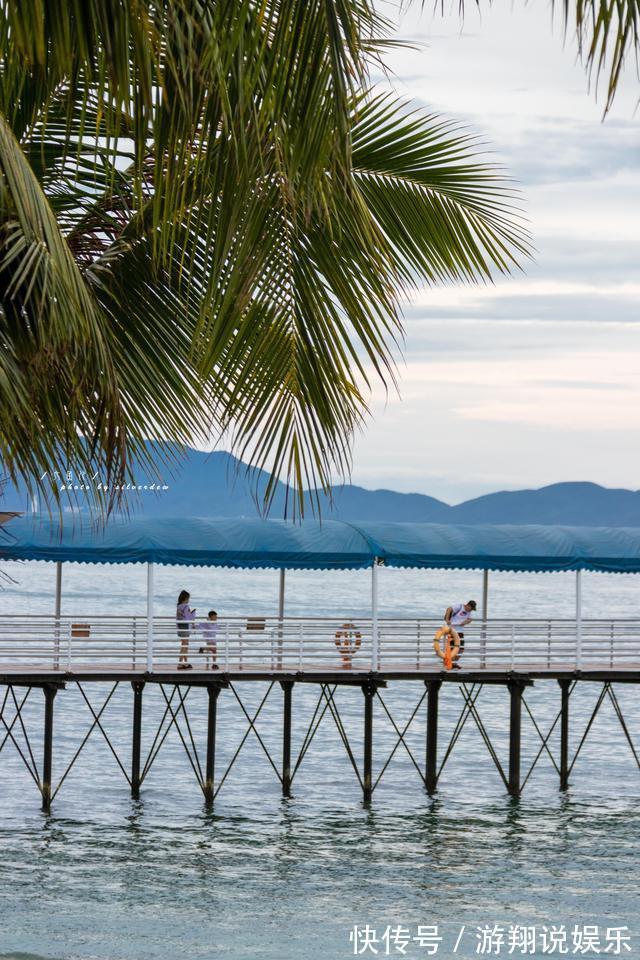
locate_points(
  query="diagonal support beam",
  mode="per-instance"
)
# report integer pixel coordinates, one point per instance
(251, 726)
(49, 725)
(335, 713)
(593, 716)
(160, 736)
(469, 698)
(96, 717)
(623, 724)
(29, 761)
(194, 760)
(313, 727)
(401, 738)
(253, 729)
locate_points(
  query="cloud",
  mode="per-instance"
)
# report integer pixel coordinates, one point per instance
(536, 378)
(556, 150)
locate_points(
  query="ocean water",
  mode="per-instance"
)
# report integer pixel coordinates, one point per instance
(104, 876)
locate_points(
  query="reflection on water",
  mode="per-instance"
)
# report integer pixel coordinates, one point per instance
(260, 877)
(291, 882)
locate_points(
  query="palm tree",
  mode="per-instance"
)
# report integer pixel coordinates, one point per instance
(207, 223)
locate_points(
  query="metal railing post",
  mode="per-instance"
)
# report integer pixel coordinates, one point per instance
(135, 642)
(611, 644)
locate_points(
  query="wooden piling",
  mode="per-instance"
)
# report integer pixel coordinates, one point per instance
(565, 686)
(515, 734)
(213, 691)
(431, 764)
(136, 740)
(47, 762)
(367, 779)
(287, 689)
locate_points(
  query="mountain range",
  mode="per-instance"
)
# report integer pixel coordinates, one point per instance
(218, 485)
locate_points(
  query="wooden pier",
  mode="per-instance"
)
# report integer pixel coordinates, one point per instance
(424, 685)
(46, 655)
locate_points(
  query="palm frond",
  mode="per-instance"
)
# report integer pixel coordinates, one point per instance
(444, 215)
(608, 36)
(205, 226)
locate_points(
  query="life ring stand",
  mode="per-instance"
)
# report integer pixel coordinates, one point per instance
(442, 642)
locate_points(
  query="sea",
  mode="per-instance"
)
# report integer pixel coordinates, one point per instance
(321, 876)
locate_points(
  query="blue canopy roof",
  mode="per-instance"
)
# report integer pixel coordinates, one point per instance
(191, 541)
(332, 544)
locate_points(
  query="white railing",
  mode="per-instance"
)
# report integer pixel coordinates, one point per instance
(311, 643)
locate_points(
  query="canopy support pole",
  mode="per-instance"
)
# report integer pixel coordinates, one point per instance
(281, 590)
(375, 653)
(485, 608)
(281, 594)
(58, 610)
(578, 619)
(150, 618)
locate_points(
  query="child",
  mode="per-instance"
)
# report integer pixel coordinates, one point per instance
(209, 633)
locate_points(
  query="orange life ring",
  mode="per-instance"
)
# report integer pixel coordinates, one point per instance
(348, 640)
(445, 653)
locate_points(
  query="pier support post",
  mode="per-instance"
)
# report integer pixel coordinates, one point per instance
(287, 689)
(515, 730)
(368, 690)
(136, 741)
(564, 733)
(431, 765)
(213, 692)
(47, 762)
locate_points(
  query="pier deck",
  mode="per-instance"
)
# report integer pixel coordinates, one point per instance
(95, 655)
(30, 673)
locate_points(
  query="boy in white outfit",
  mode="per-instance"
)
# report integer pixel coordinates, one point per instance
(209, 631)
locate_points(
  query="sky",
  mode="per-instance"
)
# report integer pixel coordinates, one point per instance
(535, 379)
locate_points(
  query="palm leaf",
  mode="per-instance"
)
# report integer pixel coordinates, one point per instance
(445, 215)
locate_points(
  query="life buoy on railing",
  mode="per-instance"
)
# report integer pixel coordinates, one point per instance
(445, 641)
(348, 641)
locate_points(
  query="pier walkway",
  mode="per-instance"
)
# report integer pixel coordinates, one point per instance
(302, 647)
(335, 658)
(96, 654)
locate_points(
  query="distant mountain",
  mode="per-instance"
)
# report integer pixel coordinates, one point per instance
(218, 485)
(579, 504)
